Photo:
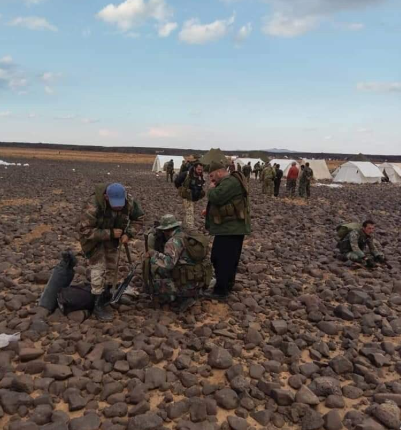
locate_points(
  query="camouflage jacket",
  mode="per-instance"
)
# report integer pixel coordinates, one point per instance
(307, 175)
(98, 220)
(174, 254)
(359, 241)
(268, 173)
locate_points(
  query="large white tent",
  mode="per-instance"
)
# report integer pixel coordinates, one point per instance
(319, 167)
(285, 164)
(243, 161)
(358, 172)
(393, 171)
(160, 160)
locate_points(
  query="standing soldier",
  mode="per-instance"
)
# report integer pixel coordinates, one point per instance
(104, 225)
(228, 219)
(277, 180)
(184, 167)
(239, 168)
(257, 169)
(170, 171)
(292, 177)
(308, 175)
(247, 170)
(190, 188)
(231, 167)
(268, 176)
(302, 184)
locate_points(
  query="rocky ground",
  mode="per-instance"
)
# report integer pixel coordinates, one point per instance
(304, 342)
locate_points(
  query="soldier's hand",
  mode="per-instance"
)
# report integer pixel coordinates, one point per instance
(117, 233)
(212, 184)
(124, 239)
(204, 212)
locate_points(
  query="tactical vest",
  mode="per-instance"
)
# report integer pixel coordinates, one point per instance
(185, 191)
(237, 209)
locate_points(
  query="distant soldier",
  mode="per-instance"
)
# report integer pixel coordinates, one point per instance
(277, 180)
(308, 176)
(180, 269)
(231, 167)
(302, 182)
(190, 188)
(358, 245)
(292, 177)
(184, 167)
(105, 223)
(228, 219)
(170, 171)
(247, 170)
(268, 176)
(257, 169)
(239, 168)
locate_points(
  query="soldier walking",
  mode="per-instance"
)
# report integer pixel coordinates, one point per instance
(170, 171)
(247, 170)
(268, 176)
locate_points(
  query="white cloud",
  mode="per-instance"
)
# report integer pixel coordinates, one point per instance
(33, 23)
(106, 133)
(7, 60)
(355, 26)
(49, 77)
(160, 132)
(16, 83)
(132, 13)
(33, 2)
(165, 30)
(65, 117)
(89, 120)
(195, 33)
(364, 130)
(328, 137)
(287, 26)
(243, 33)
(5, 114)
(379, 87)
(32, 115)
(49, 90)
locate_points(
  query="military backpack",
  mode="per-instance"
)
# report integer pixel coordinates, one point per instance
(344, 229)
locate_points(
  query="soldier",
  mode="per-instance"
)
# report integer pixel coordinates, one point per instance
(308, 176)
(268, 176)
(292, 177)
(257, 168)
(170, 171)
(105, 223)
(231, 167)
(184, 167)
(190, 188)
(247, 170)
(302, 183)
(239, 168)
(228, 219)
(358, 245)
(177, 273)
(277, 180)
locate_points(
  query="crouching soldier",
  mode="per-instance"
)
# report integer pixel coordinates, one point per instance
(106, 221)
(178, 272)
(358, 245)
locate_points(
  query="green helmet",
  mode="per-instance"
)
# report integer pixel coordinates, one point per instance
(167, 222)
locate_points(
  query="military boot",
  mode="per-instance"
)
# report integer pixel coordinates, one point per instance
(101, 312)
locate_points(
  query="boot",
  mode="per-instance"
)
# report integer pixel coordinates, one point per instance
(101, 312)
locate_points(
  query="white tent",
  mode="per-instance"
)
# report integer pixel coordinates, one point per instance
(358, 172)
(319, 167)
(160, 160)
(285, 165)
(393, 171)
(244, 161)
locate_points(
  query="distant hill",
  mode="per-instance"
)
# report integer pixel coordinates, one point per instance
(281, 151)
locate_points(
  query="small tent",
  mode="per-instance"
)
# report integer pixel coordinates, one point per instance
(319, 167)
(160, 160)
(392, 170)
(243, 161)
(216, 155)
(358, 172)
(285, 164)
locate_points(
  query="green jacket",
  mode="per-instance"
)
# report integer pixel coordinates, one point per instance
(98, 220)
(229, 202)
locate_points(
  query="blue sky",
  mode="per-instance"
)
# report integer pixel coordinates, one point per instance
(311, 75)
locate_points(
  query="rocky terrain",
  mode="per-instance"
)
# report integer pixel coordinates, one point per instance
(305, 342)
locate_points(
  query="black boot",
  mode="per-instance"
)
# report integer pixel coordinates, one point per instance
(101, 312)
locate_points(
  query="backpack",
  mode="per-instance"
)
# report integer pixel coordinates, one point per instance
(75, 298)
(344, 229)
(196, 245)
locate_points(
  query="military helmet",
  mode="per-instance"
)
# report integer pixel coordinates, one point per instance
(167, 222)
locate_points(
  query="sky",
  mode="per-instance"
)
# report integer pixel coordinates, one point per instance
(305, 75)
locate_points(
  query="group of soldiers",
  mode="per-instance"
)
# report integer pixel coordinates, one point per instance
(176, 268)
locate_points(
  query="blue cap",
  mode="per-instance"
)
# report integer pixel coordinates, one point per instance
(116, 195)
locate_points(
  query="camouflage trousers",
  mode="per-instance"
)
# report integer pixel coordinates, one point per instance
(302, 189)
(268, 187)
(169, 176)
(291, 186)
(102, 265)
(189, 214)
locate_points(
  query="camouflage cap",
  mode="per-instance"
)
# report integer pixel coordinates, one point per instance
(167, 222)
(215, 166)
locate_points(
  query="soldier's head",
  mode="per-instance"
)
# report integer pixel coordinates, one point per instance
(168, 224)
(249, 163)
(198, 168)
(302, 167)
(368, 227)
(115, 195)
(217, 172)
(278, 166)
(307, 164)
(293, 163)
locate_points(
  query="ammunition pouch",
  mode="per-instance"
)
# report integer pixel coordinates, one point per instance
(235, 210)
(185, 193)
(196, 276)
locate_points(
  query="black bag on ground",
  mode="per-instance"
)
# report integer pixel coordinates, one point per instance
(75, 298)
(61, 277)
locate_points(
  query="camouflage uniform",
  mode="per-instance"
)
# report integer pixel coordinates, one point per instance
(355, 243)
(96, 235)
(308, 176)
(302, 182)
(268, 176)
(247, 170)
(170, 171)
(162, 265)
